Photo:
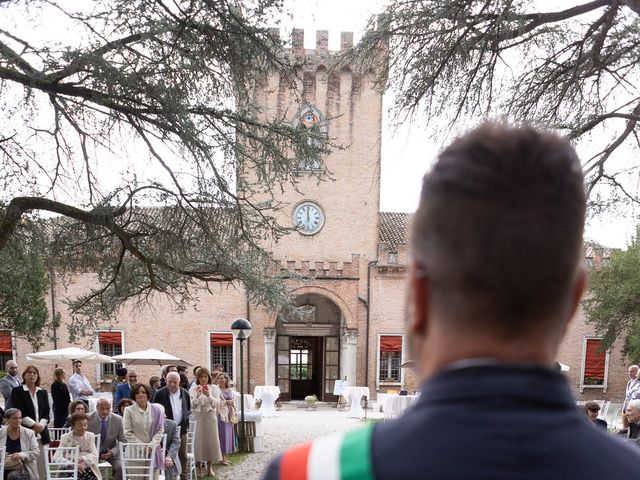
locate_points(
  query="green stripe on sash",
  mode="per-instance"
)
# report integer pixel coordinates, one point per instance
(355, 455)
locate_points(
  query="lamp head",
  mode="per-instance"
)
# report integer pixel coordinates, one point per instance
(241, 329)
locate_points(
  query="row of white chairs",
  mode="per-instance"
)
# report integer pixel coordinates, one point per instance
(137, 459)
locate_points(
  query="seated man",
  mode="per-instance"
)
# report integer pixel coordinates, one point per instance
(106, 424)
(593, 408)
(496, 276)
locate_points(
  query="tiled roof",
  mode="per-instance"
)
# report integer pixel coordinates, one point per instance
(393, 229)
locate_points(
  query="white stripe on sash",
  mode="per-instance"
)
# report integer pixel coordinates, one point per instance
(324, 458)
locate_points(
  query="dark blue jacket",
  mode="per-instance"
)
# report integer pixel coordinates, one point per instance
(497, 422)
(123, 391)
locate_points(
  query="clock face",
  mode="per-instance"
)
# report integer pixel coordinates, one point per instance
(308, 218)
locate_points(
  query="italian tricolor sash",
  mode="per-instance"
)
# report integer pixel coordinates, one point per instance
(344, 456)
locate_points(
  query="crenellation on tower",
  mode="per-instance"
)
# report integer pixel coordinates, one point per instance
(297, 42)
(346, 40)
(322, 43)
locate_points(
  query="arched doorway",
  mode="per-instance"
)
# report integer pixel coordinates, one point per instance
(308, 348)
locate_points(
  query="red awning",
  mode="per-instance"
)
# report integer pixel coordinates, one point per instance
(594, 360)
(390, 343)
(221, 339)
(110, 338)
(5, 343)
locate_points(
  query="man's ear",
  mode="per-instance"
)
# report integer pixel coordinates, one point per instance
(419, 299)
(577, 291)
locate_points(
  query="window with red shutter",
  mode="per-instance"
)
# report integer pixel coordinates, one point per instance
(222, 351)
(594, 362)
(390, 358)
(110, 343)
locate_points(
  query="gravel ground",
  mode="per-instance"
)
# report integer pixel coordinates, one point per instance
(294, 425)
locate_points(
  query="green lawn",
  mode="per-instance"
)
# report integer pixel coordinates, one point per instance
(234, 459)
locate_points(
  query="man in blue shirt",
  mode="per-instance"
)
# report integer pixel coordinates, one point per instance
(124, 388)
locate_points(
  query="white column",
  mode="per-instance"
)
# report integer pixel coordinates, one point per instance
(269, 356)
(350, 339)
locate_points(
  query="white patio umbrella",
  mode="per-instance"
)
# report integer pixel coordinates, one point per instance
(150, 356)
(71, 353)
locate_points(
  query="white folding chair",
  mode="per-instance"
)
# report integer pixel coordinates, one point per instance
(2, 451)
(56, 433)
(137, 460)
(103, 466)
(191, 452)
(61, 462)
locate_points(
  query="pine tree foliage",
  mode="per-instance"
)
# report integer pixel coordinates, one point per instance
(570, 66)
(613, 301)
(129, 119)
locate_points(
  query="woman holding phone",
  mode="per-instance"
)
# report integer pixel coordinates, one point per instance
(205, 401)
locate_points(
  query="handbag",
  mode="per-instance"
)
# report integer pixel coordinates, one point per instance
(13, 464)
(233, 417)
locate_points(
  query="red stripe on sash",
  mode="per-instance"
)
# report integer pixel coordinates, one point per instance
(293, 465)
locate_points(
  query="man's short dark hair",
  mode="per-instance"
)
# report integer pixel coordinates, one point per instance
(592, 406)
(499, 229)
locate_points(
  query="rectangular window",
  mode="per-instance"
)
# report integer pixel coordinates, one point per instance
(595, 362)
(6, 348)
(222, 351)
(109, 343)
(390, 358)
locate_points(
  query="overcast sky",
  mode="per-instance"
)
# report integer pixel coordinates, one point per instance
(408, 152)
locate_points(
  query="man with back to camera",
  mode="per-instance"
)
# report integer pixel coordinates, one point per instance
(496, 275)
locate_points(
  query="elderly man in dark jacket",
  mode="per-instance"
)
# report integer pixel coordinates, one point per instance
(177, 405)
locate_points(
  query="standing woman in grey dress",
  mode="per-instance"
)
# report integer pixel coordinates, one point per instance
(205, 401)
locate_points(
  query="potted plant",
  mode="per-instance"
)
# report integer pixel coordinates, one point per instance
(311, 400)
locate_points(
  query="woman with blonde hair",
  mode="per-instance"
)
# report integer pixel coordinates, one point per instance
(226, 413)
(205, 402)
(61, 398)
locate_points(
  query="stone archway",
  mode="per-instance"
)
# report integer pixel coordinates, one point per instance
(307, 348)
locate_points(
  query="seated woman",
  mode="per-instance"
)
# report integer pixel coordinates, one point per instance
(79, 436)
(22, 450)
(122, 404)
(77, 406)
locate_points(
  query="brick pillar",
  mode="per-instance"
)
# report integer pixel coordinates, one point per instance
(269, 356)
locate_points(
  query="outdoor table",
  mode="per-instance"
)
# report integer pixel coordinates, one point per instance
(394, 405)
(355, 394)
(93, 399)
(268, 394)
(249, 401)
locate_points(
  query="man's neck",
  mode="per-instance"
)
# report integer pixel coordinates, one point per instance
(441, 350)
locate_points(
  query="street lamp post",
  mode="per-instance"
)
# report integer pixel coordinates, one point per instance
(241, 329)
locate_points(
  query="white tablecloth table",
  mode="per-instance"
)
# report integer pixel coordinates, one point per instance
(249, 401)
(268, 394)
(394, 405)
(93, 399)
(355, 394)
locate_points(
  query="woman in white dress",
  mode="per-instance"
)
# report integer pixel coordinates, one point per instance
(80, 437)
(205, 401)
